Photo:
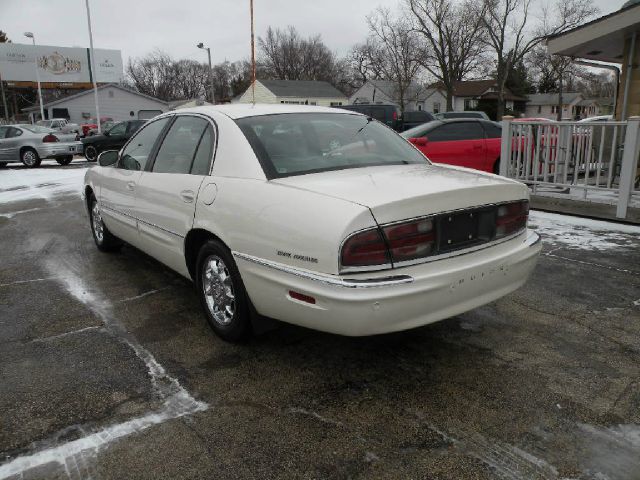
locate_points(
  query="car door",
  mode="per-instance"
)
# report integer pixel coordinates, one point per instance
(494, 144)
(168, 190)
(11, 144)
(119, 183)
(4, 148)
(457, 143)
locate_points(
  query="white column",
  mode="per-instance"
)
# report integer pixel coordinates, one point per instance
(629, 165)
(505, 146)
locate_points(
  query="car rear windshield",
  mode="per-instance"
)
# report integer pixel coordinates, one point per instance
(299, 143)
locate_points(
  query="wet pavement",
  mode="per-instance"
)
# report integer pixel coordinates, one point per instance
(109, 371)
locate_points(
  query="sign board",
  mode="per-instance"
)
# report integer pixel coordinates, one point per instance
(58, 64)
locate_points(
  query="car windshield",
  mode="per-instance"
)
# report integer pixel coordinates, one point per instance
(298, 143)
(37, 128)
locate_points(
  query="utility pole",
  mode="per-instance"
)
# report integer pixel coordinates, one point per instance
(92, 58)
(4, 100)
(253, 57)
(213, 96)
(33, 38)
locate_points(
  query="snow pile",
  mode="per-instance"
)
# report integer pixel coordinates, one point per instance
(21, 185)
(583, 233)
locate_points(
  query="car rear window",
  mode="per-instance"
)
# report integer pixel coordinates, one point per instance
(299, 143)
(37, 129)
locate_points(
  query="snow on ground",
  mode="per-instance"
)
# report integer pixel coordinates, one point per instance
(583, 233)
(21, 184)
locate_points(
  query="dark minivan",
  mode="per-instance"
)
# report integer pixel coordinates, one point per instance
(387, 113)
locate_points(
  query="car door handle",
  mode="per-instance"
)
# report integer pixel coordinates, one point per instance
(131, 185)
(187, 196)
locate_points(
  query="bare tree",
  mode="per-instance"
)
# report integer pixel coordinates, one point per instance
(154, 75)
(452, 46)
(396, 50)
(285, 55)
(509, 33)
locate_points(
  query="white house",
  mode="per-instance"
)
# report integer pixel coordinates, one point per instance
(545, 105)
(299, 92)
(114, 101)
(417, 97)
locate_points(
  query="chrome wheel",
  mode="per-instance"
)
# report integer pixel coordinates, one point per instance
(218, 290)
(96, 222)
(29, 158)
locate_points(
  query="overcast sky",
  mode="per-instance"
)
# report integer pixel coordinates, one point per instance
(138, 26)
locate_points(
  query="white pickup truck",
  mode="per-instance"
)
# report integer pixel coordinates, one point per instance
(60, 124)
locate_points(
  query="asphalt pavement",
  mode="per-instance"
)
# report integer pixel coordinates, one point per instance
(108, 369)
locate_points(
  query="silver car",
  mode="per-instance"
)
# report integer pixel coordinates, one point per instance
(30, 144)
(60, 124)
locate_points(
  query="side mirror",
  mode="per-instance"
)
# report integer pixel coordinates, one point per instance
(108, 158)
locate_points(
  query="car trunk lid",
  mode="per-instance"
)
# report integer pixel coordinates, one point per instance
(398, 192)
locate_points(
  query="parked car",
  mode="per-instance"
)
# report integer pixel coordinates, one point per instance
(597, 118)
(389, 114)
(465, 114)
(112, 139)
(104, 127)
(92, 123)
(351, 231)
(466, 143)
(30, 144)
(413, 119)
(60, 124)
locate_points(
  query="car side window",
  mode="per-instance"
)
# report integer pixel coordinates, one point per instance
(118, 129)
(133, 127)
(176, 154)
(451, 132)
(136, 154)
(493, 130)
(202, 160)
(13, 132)
(3, 132)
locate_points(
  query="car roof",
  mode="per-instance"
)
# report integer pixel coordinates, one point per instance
(242, 110)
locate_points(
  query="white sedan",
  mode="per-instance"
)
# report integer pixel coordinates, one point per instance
(319, 217)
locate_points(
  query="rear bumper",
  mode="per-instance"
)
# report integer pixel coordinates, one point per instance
(398, 299)
(59, 149)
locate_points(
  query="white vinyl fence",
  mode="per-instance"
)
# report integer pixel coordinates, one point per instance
(599, 159)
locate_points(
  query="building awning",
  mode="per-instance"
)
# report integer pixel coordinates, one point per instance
(601, 40)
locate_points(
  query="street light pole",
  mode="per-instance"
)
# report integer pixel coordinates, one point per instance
(33, 38)
(92, 58)
(201, 46)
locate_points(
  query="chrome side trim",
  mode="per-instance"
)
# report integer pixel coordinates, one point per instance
(328, 279)
(141, 221)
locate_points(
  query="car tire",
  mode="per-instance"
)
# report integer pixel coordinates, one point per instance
(30, 158)
(222, 293)
(65, 160)
(496, 167)
(3, 164)
(104, 239)
(91, 153)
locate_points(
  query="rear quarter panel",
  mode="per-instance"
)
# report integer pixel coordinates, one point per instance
(281, 224)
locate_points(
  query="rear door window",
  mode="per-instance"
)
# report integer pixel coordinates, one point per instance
(178, 149)
(202, 160)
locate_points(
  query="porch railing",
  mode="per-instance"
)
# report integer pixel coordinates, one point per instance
(596, 159)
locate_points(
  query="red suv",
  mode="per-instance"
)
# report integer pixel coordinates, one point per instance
(471, 143)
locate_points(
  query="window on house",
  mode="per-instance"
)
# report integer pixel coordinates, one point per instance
(470, 104)
(336, 104)
(436, 107)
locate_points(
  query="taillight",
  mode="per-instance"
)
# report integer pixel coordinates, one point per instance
(410, 240)
(50, 138)
(511, 218)
(365, 248)
(395, 115)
